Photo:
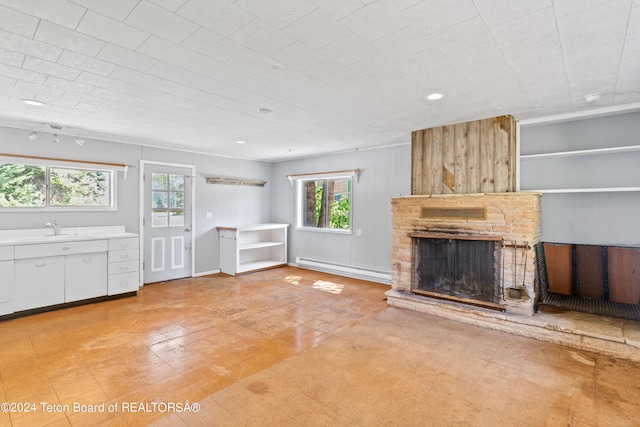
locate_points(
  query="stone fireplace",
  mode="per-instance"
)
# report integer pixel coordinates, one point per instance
(506, 224)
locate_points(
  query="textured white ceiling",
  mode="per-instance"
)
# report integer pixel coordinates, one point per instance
(337, 74)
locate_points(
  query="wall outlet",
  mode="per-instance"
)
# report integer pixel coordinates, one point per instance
(359, 232)
(208, 215)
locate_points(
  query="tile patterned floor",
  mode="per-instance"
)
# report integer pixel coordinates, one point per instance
(294, 347)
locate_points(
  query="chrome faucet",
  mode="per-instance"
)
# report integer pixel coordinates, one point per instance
(55, 225)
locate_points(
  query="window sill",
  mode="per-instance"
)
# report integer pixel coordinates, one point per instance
(326, 230)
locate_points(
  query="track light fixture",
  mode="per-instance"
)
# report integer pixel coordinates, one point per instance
(33, 135)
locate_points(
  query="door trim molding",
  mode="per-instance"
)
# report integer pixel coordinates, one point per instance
(143, 165)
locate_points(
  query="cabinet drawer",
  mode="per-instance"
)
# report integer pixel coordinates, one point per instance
(62, 248)
(126, 255)
(123, 267)
(123, 244)
(6, 253)
(121, 283)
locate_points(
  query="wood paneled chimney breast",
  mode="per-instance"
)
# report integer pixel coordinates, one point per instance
(465, 158)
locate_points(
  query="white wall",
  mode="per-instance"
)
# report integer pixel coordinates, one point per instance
(229, 204)
(385, 172)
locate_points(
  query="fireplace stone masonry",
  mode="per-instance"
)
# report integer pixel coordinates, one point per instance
(512, 217)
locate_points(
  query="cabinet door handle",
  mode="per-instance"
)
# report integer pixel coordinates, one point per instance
(86, 259)
(41, 264)
(124, 268)
(124, 256)
(66, 248)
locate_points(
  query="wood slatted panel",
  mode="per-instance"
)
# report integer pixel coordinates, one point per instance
(487, 151)
(436, 160)
(624, 274)
(473, 154)
(464, 158)
(448, 160)
(417, 138)
(558, 259)
(460, 169)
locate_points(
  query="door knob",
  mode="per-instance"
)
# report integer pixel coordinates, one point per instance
(187, 229)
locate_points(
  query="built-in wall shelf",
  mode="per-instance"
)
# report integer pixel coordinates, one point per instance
(587, 190)
(236, 181)
(256, 245)
(587, 166)
(252, 247)
(590, 154)
(595, 151)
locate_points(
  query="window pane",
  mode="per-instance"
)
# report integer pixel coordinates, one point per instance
(176, 218)
(77, 187)
(22, 185)
(159, 181)
(177, 182)
(176, 200)
(341, 204)
(158, 200)
(325, 203)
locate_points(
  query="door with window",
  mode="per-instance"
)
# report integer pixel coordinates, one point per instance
(167, 223)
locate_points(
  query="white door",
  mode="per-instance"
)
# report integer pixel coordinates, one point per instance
(167, 223)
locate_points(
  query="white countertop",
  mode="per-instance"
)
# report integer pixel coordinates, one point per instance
(46, 235)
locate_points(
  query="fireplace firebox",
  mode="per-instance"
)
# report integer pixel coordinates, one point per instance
(458, 267)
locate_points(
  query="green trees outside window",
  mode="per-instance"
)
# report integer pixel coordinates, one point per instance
(326, 203)
(34, 186)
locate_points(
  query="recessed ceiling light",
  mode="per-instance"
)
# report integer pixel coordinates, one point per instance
(592, 97)
(33, 102)
(264, 110)
(241, 142)
(434, 96)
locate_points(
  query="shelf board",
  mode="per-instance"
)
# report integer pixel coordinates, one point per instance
(258, 265)
(587, 190)
(256, 245)
(610, 150)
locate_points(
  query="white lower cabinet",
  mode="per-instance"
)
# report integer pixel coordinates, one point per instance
(39, 282)
(7, 287)
(85, 276)
(46, 274)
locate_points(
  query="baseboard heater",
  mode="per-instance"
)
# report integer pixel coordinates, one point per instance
(363, 273)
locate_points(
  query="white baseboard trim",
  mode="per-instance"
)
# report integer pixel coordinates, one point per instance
(206, 273)
(370, 274)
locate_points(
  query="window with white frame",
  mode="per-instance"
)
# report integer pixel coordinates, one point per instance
(41, 186)
(324, 201)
